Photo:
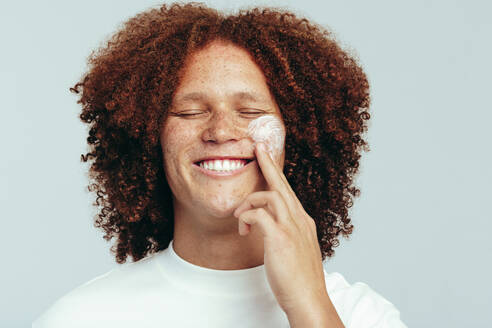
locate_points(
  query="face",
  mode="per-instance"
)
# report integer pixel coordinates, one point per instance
(221, 91)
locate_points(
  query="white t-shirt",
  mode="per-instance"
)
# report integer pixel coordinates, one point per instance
(164, 290)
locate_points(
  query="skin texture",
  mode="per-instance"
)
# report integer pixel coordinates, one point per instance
(206, 232)
(126, 95)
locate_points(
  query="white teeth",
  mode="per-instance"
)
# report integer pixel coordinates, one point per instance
(222, 165)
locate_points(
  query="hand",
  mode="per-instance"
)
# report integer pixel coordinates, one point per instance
(292, 256)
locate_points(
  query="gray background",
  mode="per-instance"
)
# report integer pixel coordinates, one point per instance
(422, 224)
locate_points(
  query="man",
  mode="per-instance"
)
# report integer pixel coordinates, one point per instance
(218, 234)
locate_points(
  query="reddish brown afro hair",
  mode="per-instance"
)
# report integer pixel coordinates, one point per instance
(321, 90)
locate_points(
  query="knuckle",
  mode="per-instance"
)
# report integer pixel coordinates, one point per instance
(260, 211)
(277, 196)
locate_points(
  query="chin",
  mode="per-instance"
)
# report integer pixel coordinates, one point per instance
(223, 206)
(220, 213)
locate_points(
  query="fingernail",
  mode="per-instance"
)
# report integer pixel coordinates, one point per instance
(262, 146)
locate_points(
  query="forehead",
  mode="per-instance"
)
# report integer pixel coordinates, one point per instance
(224, 66)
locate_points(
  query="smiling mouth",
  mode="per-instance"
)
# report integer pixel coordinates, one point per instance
(230, 166)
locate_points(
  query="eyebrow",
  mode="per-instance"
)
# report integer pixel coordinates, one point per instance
(242, 95)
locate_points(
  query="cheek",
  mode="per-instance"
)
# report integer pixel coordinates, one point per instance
(175, 138)
(167, 141)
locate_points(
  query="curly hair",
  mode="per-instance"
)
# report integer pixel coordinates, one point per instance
(321, 90)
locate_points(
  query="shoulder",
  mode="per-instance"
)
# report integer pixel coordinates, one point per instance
(358, 305)
(95, 300)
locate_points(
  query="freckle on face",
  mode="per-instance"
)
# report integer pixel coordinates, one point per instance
(218, 71)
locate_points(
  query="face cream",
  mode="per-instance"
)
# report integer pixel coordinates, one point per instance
(269, 130)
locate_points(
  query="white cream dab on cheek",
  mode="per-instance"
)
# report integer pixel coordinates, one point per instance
(269, 130)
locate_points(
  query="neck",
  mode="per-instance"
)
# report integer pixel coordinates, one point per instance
(214, 242)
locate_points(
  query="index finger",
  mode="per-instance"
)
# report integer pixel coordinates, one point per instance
(275, 177)
(268, 167)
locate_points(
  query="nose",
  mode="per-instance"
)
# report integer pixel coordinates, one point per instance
(222, 127)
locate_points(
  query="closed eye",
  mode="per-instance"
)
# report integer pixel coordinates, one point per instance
(251, 112)
(188, 113)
